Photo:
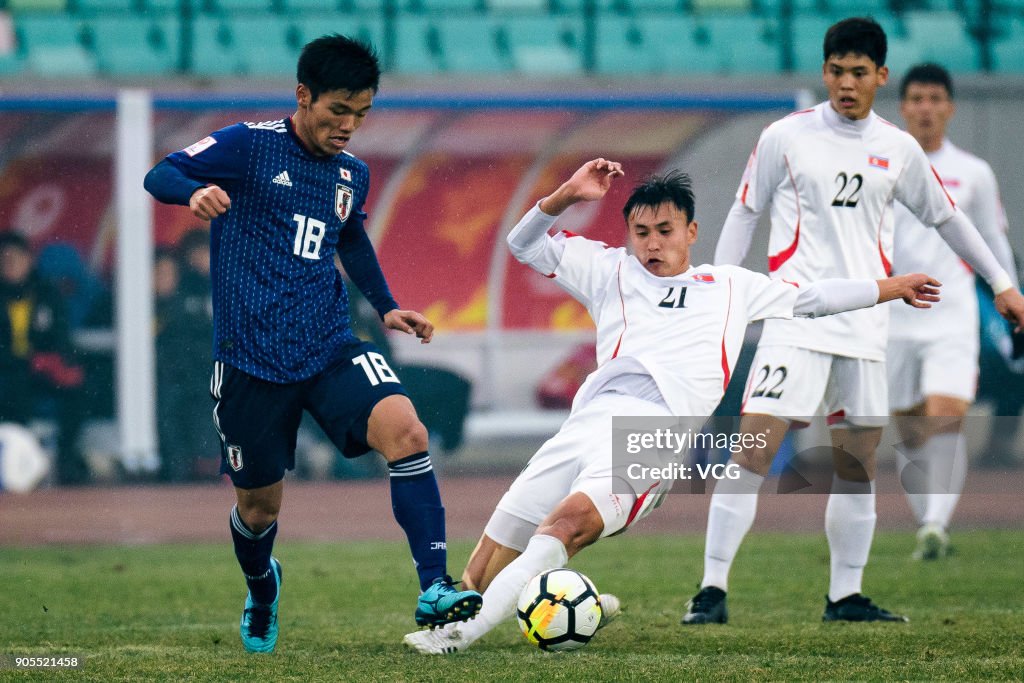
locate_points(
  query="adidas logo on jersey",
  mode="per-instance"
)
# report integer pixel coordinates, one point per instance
(283, 179)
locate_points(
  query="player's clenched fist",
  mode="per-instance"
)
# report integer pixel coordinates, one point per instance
(209, 202)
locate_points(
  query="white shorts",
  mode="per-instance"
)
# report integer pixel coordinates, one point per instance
(579, 459)
(944, 366)
(794, 384)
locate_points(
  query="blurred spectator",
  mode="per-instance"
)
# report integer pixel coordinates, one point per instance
(189, 447)
(86, 299)
(39, 378)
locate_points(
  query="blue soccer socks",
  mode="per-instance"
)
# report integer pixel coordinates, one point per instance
(253, 553)
(416, 503)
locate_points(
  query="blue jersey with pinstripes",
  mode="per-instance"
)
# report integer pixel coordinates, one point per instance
(280, 307)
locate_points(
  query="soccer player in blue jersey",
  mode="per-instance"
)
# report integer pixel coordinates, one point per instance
(283, 197)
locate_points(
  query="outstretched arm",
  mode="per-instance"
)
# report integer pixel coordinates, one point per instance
(828, 297)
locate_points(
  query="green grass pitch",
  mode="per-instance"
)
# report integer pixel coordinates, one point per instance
(151, 613)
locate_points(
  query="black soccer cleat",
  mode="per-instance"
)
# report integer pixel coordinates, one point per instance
(706, 607)
(857, 607)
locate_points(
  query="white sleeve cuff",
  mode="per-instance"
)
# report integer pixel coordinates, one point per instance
(530, 243)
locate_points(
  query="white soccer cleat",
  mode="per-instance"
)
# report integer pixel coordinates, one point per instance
(440, 641)
(932, 542)
(611, 608)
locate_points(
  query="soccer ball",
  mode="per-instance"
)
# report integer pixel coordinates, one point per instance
(23, 463)
(559, 610)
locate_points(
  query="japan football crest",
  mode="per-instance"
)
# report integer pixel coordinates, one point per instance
(343, 202)
(235, 457)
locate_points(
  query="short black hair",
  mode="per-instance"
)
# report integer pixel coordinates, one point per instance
(655, 190)
(336, 62)
(856, 35)
(12, 238)
(929, 74)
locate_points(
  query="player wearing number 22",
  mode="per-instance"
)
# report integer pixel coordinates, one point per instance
(284, 196)
(830, 174)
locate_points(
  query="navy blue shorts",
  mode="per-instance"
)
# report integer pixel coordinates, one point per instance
(258, 420)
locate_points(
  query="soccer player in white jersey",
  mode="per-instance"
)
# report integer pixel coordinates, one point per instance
(933, 360)
(830, 174)
(668, 335)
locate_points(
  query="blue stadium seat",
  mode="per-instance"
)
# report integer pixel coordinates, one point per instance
(53, 6)
(858, 8)
(134, 45)
(621, 47)
(369, 29)
(1007, 54)
(214, 50)
(418, 45)
(153, 8)
(235, 6)
(11, 65)
(642, 6)
(275, 50)
(545, 45)
(298, 6)
(468, 44)
(90, 7)
(942, 37)
(47, 30)
(773, 8)
(61, 61)
(442, 6)
(701, 6)
(746, 44)
(902, 54)
(674, 41)
(515, 6)
(808, 36)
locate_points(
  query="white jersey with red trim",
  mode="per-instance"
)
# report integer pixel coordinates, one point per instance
(831, 183)
(919, 249)
(685, 332)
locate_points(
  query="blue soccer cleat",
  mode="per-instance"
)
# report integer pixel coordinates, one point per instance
(441, 604)
(259, 622)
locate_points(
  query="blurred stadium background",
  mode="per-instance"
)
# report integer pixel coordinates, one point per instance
(485, 104)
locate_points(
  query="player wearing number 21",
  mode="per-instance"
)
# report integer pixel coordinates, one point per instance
(668, 335)
(830, 175)
(284, 196)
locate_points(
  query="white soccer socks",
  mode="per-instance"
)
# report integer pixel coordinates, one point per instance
(732, 512)
(947, 472)
(542, 553)
(850, 528)
(937, 479)
(913, 480)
